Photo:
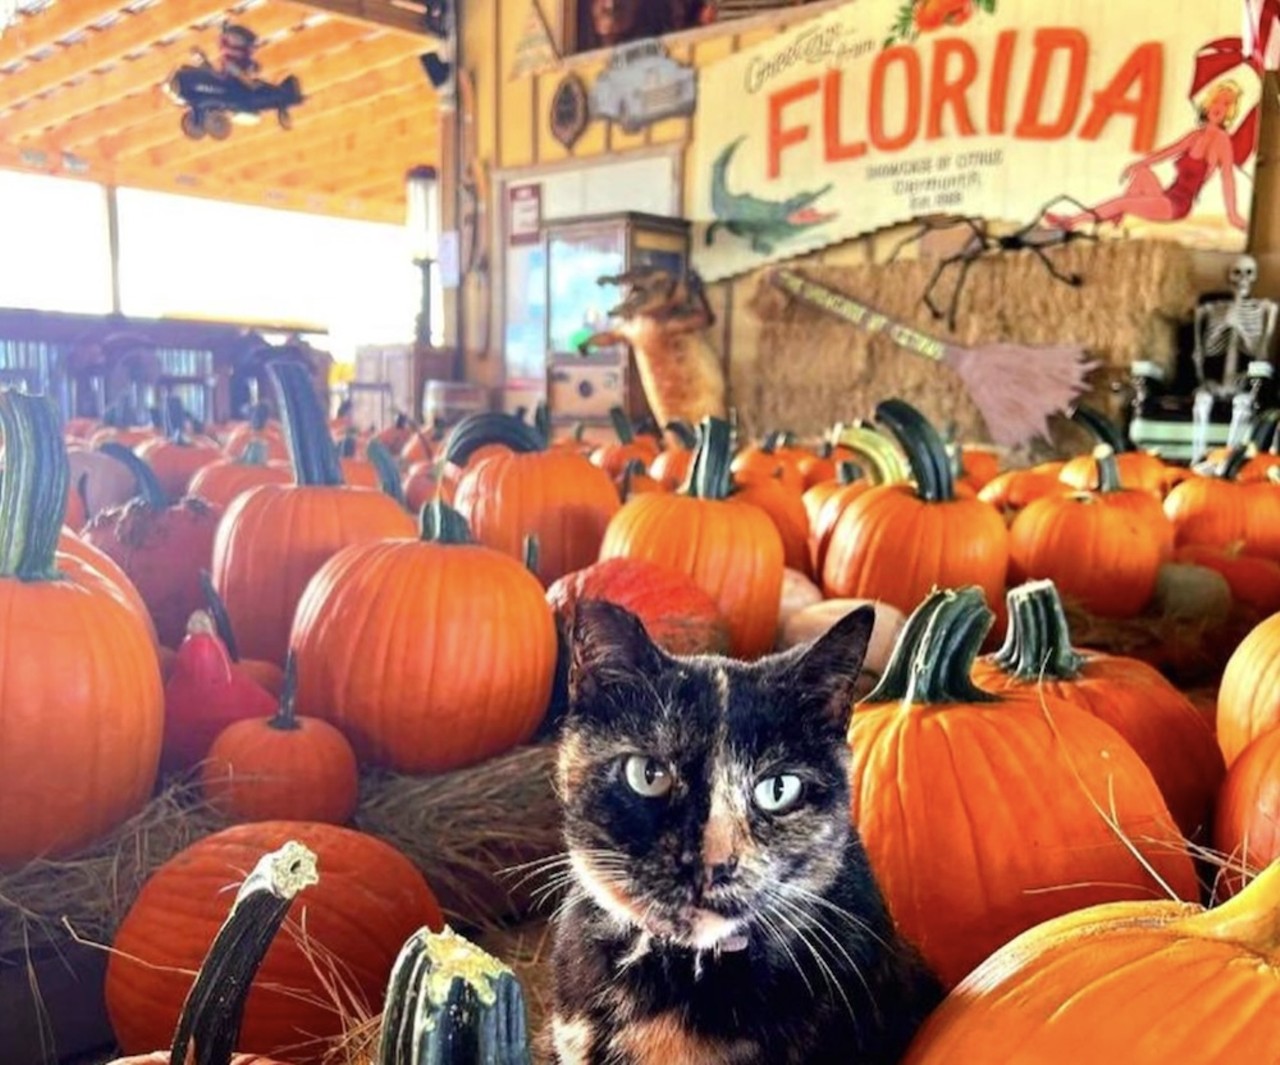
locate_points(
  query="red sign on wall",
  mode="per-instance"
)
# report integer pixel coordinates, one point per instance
(524, 214)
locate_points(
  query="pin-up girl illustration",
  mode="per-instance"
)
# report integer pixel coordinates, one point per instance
(1207, 150)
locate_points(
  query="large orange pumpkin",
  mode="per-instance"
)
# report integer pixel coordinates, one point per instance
(70, 544)
(730, 549)
(1249, 695)
(220, 482)
(983, 815)
(895, 543)
(1138, 471)
(527, 489)
(1216, 509)
(1247, 822)
(273, 538)
(1108, 486)
(346, 929)
(1144, 983)
(678, 615)
(1134, 698)
(825, 503)
(430, 654)
(81, 711)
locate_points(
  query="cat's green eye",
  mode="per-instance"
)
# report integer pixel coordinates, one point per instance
(646, 776)
(775, 795)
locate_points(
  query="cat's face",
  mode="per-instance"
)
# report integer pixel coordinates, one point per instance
(705, 796)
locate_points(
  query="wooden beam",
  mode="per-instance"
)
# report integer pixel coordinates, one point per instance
(396, 18)
(133, 76)
(50, 25)
(389, 166)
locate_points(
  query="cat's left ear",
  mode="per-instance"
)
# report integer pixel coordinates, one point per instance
(828, 668)
(608, 647)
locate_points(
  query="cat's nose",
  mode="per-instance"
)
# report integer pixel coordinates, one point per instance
(721, 873)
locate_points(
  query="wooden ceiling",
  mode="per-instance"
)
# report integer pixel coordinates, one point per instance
(82, 95)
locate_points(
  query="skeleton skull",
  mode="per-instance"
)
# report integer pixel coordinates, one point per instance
(1243, 274)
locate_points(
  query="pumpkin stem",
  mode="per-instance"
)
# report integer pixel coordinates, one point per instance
(150, 490)
(1233, 463)
(847, 472)
(1104, 458)
(579, 431)
(259, 413)
(217, 611)
(175, 418)
(933, 658)
(33, 492)
(82, 490)
(388, 473)
(156, 416)
(1250, 919)
(285, 718)
(542, 422)
(622, 425)
(634, 468)
(254, 454)
(1263, 434)
(209, 1025)
(476, 430)
(450, 1003)
(1103, 429)
(1038, 643)
(439, 523)
(684, 433)
(770, 442)
(710, 477)
(530, 554)
(924, 448)
(348, 445)
(315, 461)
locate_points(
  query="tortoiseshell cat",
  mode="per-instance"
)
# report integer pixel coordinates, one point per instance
(723, 910)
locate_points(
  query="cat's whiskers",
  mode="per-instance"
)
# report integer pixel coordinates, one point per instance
(851, 919)
(815, 922)
(775, 936)
(780, 907)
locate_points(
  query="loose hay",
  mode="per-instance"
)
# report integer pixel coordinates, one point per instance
(469, 831)
(93, 891)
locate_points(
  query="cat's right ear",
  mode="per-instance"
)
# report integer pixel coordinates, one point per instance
(607, 645)
(828, 668)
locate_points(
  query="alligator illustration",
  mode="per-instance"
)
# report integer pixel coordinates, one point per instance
(765, 223)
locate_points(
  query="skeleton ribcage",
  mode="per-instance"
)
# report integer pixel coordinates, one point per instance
(1245, 320)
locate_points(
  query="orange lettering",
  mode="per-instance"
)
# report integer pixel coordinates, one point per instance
(950, 92)
(834, 148)
(910, 63)
(1048, 42)
(998, 100)
(780, 139)
(1144, 69)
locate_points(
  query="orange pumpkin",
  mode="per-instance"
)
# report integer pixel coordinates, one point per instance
(846, 472)
(771, 458)
(1255, 582)
(1137, 471)
(430, 654)
(420, 447)
(346, 929)
(1012, 490)
(281, 768)
(1144, 983)
(397, 435)
(828, 501)
(220, 482)
(266, 675)
(81, 711)
(787, 512)
(823, 465)
(613, 458)
(985, 814)
(100, 479)
(1211, 509)
(1100, 556)
(636, 481)
(1156, 719)
(1143, 504)
(527, 489)
(732, 550)
(1249, 695)
(420, 485)
(981, 465)
(1247, 820)
(273, 538)
(175, 457)
(88, 555)
(259, 429)
(895, 543)
(672, 465)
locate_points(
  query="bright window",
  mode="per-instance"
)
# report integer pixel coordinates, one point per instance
(55, 254)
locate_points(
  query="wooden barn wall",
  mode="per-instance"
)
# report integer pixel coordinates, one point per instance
(511, 132)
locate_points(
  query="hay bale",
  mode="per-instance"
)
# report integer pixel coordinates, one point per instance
(471, 831)
(91, 892)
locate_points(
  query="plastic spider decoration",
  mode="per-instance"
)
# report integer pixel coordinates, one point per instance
(1036, 237)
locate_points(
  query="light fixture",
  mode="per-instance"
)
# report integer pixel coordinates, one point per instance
(422, 226)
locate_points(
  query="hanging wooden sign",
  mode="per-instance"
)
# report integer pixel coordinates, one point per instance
(569, 112)
(1016, 387)
(535, 50)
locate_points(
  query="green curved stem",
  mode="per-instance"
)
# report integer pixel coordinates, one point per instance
(684, 433)
(209, 1025)
(33, 492)
(622, 426)
(710, 477)
(1104, 430)
(285, 719)
(439, 523)
(847, 472)
(255, 453)
(933, 658)
(924, 449)
(1038, 643)
(634, 468)
(579, 431)
(217, 610)
(542, 421)
(388, 472)
(349, 445)
(531, 554)
(1108, 470)
(476, 430)
(259, 414)
(149, 489)
(1264, 434)
(315, 460)
(175, 417)
(826, 449)
(1233, 463)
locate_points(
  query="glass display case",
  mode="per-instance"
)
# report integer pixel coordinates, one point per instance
(582, 388)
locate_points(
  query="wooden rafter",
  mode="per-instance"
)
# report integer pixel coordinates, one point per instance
(47, 27)
(388, 150)
(403, 16)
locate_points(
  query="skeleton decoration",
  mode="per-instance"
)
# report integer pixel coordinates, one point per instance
(1228, 330)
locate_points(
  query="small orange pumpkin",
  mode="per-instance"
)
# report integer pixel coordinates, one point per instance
(1137, 471)
(1247, 821)
(613, 458)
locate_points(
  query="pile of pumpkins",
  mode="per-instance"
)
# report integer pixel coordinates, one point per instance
(279, 605)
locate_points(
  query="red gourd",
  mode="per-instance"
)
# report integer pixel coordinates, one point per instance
(203, 695)
(162, 547)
